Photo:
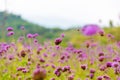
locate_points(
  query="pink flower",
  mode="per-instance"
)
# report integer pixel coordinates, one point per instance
(9, 29)
(10, 33)
(58, 41)
(90, 29)
(29, 35)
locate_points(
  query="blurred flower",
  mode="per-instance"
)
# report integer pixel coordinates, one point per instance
(109, 64)
(92, 71)
(10, 56)
(29, 35)
(90, 29)
(39, 74)
(101, 58)
(42, 60)
(62, 35)
(35, 41)
(10, 33)
(100, 78)
(20, 68)
(57, 73)
(71, 77)
(118, 78)
(101, 54)
(115, 64)
(9, 29)
(106, 77)
(35, 35)
(91, 75)
(84, 66)
(58, 41)
(25, 71)
(22, 53)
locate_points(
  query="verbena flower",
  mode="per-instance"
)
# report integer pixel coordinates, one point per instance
(58, 41)
(39, 74)
(29, 35)
(10, 33)
(9, 29)
(90, 29)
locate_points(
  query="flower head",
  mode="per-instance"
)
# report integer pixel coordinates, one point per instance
(9, 29)
(39, 74)
(10, 33)
(58, 41)
(90, 30)
(29, 35)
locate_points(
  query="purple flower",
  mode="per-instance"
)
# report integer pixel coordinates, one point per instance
(102, 68)
(25, 71)
(101, 58)
(42, 60)
(115, 64)
(71, 77)
(84, 66)
(62, 35)
(90, 29)
(92, 71)
(35, 40)
(10, 33)
(118, 78)
(106, 77)
(58, 41)
(100, 78)
(66, 68)
(29, 35)
(10, 56)
(35, 35)
(109, 64)
(53, 66)
(21, 38)
(9, 29)
(39, 74)
(20, 68)
(91, 75)
(101, 54)
(57, 73)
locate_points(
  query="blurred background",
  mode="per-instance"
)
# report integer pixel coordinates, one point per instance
(47, 17)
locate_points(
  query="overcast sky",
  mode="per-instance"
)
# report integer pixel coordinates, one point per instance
(65, 13)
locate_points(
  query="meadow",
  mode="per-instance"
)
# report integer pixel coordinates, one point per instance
(92, 56)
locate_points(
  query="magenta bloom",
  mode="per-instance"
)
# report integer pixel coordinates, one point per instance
(35, 35)
(118, 78)
(62, 35)
(10, 33)
(29, 35)
(9, 29)
(100, 78)
(58, 41)
(90, 29)
(39, 74)
(10, 56)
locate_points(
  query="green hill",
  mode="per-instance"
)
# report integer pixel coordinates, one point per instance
(16, 22)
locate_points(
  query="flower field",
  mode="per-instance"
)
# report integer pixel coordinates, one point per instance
(27, 59)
